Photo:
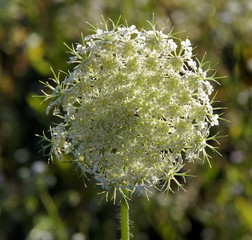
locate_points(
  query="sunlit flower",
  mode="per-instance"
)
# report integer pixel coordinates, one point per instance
(135, 107)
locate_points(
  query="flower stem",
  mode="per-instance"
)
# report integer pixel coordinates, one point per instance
(52, 209)
(124, 219)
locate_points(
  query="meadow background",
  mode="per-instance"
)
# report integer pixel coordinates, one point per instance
(41, 201)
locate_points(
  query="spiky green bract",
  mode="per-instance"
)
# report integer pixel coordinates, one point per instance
(135, 108)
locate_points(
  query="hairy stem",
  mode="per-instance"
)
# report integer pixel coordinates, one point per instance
(124, 219)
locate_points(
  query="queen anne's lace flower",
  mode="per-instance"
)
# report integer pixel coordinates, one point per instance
(133, 109)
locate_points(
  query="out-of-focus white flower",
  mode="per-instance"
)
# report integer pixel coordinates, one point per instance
(133, 109)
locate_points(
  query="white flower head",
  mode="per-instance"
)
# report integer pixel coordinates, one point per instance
(133, 110)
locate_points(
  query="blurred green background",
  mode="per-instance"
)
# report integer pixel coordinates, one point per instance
(41, 201)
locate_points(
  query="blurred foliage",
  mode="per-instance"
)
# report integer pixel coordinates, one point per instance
(49, 201)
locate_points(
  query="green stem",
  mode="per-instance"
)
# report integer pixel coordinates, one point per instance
(124, 219)
(52, 210)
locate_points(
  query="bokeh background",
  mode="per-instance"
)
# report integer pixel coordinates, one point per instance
(41, 201)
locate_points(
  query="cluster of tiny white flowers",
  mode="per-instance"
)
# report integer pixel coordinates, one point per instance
(133, 109)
